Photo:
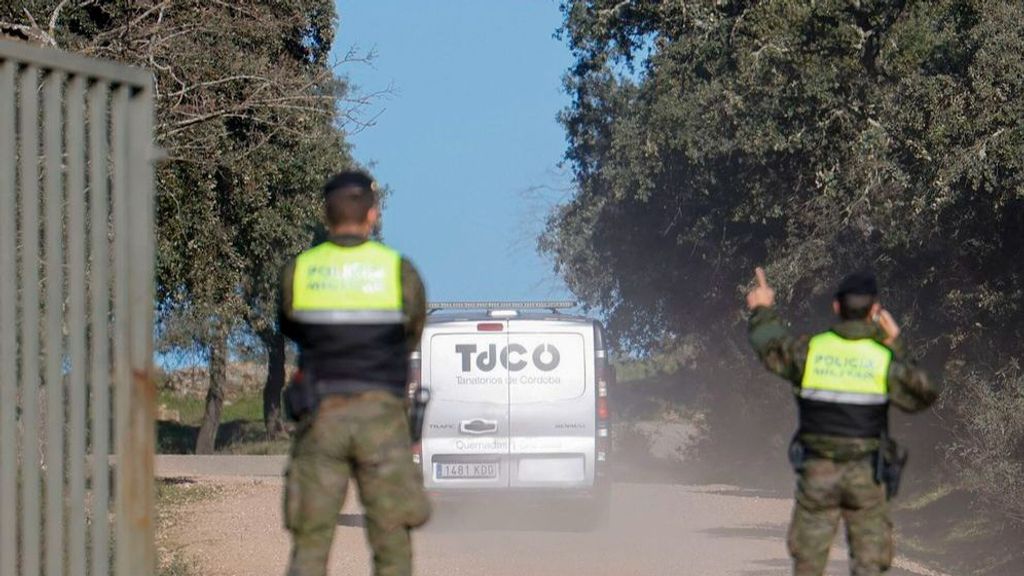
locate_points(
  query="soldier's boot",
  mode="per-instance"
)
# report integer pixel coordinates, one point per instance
(868, 528)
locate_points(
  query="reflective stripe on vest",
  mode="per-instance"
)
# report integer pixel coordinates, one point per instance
(348, 285)
(845, 371)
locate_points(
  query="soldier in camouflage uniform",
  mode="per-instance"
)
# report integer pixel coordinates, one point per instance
(844, 381)
(356, 309)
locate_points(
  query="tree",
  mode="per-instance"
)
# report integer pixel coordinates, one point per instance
(815, 137)
(247, 112)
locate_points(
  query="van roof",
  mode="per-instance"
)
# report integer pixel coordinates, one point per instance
(485, 315)
(490, 305)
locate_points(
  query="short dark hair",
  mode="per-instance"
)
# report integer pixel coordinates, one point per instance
(348, 197)
(856, 306)
(856, 294)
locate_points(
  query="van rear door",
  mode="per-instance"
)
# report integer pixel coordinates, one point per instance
(465, 436)
(551, 403)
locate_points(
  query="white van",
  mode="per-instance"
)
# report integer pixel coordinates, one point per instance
(518, 402)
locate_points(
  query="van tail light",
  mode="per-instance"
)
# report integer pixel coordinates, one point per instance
(603, 413)
(413, 390)
(415, 375)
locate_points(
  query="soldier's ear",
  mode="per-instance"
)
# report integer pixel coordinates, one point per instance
(835, 306)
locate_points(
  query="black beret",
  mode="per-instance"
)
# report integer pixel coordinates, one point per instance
(352, 179)
(858, 283)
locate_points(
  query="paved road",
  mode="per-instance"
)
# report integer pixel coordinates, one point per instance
(655, 529)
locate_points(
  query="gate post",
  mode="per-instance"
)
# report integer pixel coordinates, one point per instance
(83, 129)
(136, 531)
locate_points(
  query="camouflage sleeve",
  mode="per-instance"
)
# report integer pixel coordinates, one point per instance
(284, 302)
(414, 300)
(778, 350)
(910, 389)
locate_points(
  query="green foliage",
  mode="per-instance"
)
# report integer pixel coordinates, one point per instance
(247, 112)
(241, 430)
(814, 138)
(989, 447)
(248, 406)
(251, 115)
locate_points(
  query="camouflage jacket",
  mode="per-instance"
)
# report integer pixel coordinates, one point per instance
(785, 355)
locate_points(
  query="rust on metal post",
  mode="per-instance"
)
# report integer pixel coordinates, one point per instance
(136, 453)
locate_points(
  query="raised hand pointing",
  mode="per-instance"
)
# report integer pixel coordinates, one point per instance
(762, 295)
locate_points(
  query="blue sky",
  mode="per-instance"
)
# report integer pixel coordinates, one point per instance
(468, 140)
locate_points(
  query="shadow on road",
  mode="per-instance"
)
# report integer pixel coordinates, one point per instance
(784, 568)
(747, 493)
(775, 532)
(351, 520)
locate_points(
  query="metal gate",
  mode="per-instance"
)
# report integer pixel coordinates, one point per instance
(76, 315)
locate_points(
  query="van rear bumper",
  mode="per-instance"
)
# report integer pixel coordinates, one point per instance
(520, 495)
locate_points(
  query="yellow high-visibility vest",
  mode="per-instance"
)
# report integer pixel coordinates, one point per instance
(336, 284)
(846, 371)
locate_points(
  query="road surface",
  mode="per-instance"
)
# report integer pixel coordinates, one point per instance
(655, 529)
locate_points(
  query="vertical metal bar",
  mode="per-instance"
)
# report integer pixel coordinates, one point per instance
(99, 252)
(8, 325)
(74, 104)
(122, 366)
(53, 201)
(135, 460)
(53, 144)
(29, 179)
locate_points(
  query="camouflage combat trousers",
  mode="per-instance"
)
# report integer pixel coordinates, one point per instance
(365, 436)
(826, 491)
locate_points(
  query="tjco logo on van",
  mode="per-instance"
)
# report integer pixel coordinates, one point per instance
(545, 357)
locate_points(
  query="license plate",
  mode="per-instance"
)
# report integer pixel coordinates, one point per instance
(465, 470)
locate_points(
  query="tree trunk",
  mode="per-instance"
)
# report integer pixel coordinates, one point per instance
(206, 441)
(272, 417)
